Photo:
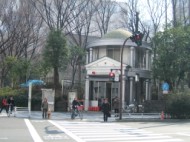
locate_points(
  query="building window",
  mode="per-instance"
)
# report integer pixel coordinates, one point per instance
(113, 53)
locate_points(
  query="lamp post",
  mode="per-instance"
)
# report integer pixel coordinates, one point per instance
(121, 80)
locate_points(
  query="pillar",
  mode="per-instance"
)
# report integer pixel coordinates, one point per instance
(147, 60)
(91, 56)
(132, 63)
(123, 91)
(86, 102)
(131, 91)
(147, 96)
(87, 58)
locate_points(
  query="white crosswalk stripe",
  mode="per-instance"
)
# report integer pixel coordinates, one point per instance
(110, 132)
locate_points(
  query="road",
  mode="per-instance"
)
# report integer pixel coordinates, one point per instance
(57, 130)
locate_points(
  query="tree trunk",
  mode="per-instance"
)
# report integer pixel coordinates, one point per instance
(56, 80)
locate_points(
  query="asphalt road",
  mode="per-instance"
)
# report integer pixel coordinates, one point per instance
(58, 130)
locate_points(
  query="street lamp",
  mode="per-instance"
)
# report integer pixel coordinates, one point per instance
(121, 80)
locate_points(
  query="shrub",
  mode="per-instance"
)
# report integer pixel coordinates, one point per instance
(178, 105)
(21, 96)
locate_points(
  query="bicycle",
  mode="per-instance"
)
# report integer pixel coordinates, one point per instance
(77, 111)
(130, 108)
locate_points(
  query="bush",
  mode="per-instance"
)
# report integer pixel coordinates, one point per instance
(178, 105)
(21, 96)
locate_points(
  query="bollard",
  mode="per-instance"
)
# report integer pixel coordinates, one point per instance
(49, 113)
(162, 115)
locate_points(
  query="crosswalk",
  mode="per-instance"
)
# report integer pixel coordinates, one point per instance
(109, 132)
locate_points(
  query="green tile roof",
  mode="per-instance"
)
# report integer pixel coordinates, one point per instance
(119, 33)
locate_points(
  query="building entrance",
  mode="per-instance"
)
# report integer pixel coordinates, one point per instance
(103, 89)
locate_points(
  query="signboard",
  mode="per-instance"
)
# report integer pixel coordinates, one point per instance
(117, 73)
(165, 88)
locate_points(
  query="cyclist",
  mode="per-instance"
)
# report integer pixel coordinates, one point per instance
(75, 110)
(11, 103)
(75, 104)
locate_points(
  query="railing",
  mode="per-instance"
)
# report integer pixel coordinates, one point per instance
(142, 115)
(17, 109)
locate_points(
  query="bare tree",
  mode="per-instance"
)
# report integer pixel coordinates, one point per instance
(79, 36)
(128, 14)
(174, 12)
(58, 14)
(156, 10)
(20, 28)
(104, 11)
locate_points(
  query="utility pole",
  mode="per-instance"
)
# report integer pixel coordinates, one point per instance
(137, 22)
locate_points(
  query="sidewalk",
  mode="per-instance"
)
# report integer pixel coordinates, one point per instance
(91, 116)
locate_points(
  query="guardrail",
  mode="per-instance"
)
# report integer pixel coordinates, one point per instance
(17, 109)
(142, 115)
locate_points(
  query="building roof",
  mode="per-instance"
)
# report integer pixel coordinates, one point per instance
(117, 34)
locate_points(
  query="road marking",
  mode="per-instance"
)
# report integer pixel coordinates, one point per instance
(106, 132)
(184, 134)
(55, 137)
(5, 138)
(67, 132)
(32, 131)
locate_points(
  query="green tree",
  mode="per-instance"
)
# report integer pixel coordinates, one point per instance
(16, 70)
(173, 54)
(55, 54)
(75, 60)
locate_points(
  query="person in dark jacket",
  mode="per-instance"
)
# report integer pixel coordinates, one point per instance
(11, 103)
(75, 103)
(116, 106)
(106, 110)
(44, 108)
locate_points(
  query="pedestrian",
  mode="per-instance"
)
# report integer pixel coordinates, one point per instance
(4, 104)
(106, 110)
(11, 103)
(116, 106)
(44, 108)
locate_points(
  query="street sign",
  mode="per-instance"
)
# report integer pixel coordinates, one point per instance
(165, 88)
(117, 73)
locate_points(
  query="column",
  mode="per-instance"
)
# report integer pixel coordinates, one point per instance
(131, 91)
(91, 56)
(87, 58)
(147, 59)
(147, 97)
(123, 91)
(86, 103)
(132, 56)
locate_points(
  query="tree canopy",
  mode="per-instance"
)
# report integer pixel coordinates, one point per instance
(55, 54)
(171, 63)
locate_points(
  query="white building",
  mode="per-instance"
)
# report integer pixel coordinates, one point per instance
(103, 55)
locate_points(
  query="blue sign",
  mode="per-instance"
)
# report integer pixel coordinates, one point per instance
(34, 82)
(165, 86)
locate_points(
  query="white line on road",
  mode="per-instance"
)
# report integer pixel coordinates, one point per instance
(166, 140)
(184, 134)
(32, 131)
(67, 132)
(5, 138)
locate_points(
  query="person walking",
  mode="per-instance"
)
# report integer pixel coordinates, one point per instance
(4, 104)
(116, 106)
(44, 108)
(106, 110)
(11, 103)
